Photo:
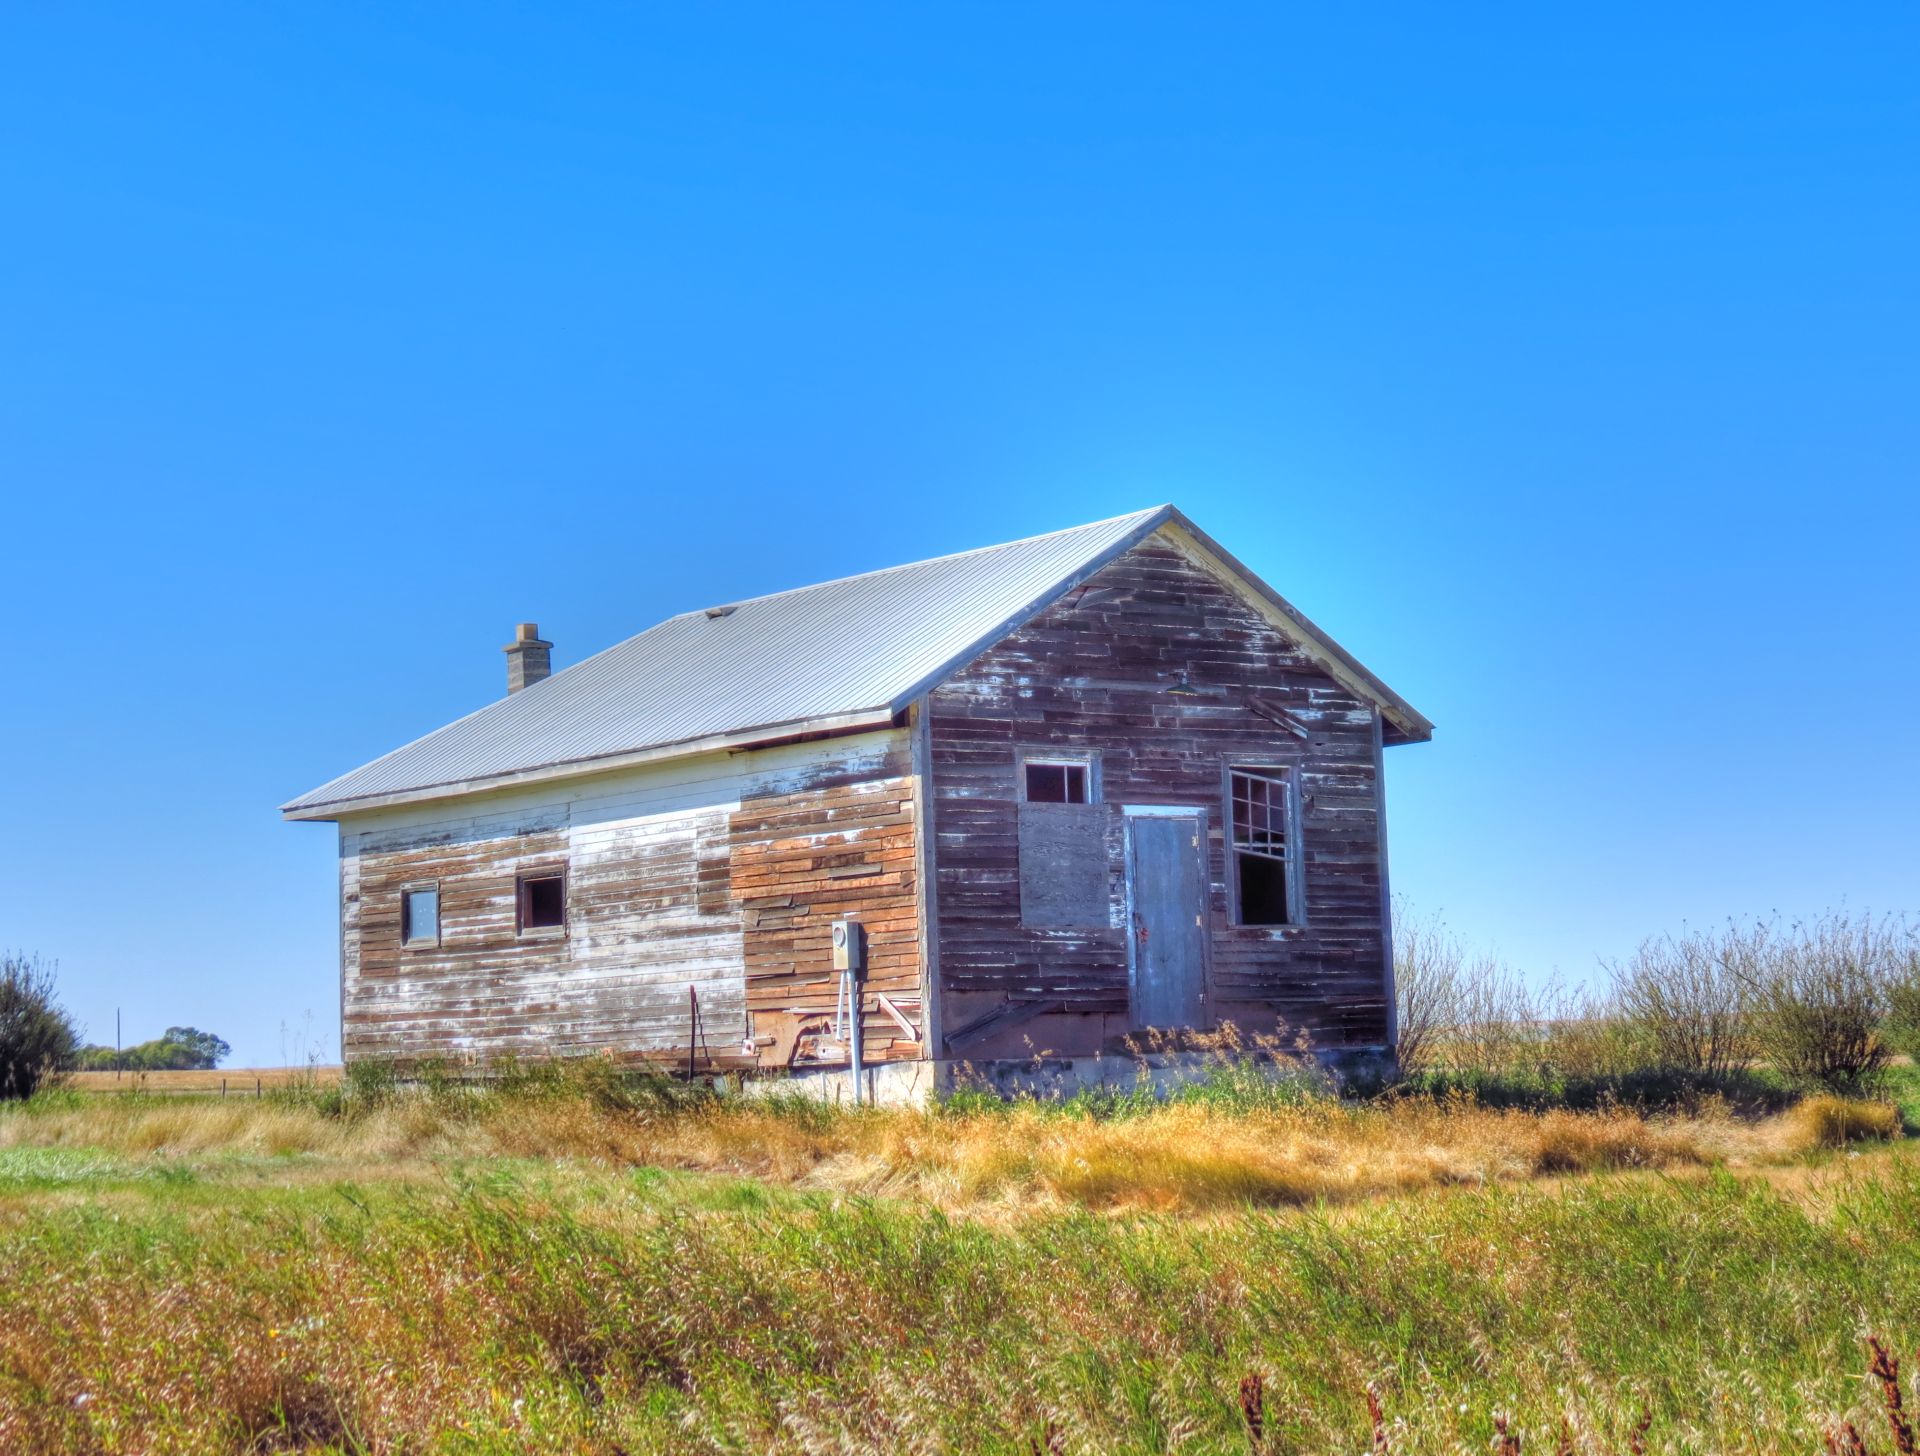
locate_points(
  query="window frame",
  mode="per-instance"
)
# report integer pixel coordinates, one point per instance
(1084, 758)
(1291, 857)
(407, 891)
(520, 883)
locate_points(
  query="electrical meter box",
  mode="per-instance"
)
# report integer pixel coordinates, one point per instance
(849, 946)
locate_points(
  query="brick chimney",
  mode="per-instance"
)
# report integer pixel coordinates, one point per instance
(528, 658)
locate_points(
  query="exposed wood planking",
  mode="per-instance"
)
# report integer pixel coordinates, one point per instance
(801, 860)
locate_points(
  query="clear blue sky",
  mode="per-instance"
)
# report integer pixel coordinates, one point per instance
(1563, 366)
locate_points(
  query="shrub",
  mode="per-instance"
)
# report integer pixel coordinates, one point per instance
(370, 1082)
(1427, 967)
(1581, 1036)
(1457, 1012)
(1903, 990)
(1682, 997)
(1818, 995)
(1667, 1032)
(1497, 1025)
(1833, 1122)
(37, 1037)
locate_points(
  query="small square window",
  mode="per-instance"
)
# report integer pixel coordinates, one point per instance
(543, 902)
(420, 916)
(1054, 782)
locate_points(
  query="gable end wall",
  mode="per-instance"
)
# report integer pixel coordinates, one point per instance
(1091, 673)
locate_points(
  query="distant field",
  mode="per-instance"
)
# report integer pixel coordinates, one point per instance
(235, 1079)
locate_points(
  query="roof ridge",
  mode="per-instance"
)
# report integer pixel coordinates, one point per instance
(914, 565)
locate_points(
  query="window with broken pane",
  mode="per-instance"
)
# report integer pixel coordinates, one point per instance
(1264, 847)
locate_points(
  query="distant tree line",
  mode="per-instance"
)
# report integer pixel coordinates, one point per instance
(178, 1049)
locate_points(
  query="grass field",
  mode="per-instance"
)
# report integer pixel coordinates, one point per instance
(555, 1271)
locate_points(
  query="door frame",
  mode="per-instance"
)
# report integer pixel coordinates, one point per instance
(1197, 813)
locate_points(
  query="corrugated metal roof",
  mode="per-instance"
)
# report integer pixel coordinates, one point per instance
(866, 643)
(840, 654)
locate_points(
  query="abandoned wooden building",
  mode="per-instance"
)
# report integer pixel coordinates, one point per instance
(1063, 791)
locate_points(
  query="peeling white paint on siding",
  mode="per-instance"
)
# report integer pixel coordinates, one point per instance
(649, 912)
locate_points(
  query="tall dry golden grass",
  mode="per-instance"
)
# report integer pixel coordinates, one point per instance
(1181, 1156)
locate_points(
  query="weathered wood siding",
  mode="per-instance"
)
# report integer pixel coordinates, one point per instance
(653, 908)
(1092, 673)
(803, 859)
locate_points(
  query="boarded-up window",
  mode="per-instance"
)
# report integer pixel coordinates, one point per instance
(1063, 865)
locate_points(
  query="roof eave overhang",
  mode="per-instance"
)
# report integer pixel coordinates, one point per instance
(764, 735)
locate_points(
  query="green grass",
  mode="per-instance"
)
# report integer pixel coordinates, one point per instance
(22, 1169)
(230, 1304)
(1754, 1091)
(1901, 1086)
